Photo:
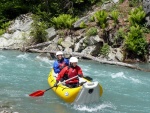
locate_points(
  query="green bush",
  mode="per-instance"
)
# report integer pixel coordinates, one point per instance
(92, 19)
(2, 31)
(137, 16)
(83, 25)
(135, 41)
(105, 50)
(91, 32)
(115, 15)
(63, 21)
(38, 32)
(101, 17)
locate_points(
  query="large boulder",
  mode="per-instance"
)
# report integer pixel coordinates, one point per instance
(22, 23)
(18, 33)
(52, 47)
(92, 50)
(92, 40)
(119, 54)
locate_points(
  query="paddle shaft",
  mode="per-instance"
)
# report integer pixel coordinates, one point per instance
(62, 82)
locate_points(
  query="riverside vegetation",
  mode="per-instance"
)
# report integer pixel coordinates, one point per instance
(117, 28)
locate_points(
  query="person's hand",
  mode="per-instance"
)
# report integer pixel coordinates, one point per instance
(56, 84)
(62, 67)
(80, 75)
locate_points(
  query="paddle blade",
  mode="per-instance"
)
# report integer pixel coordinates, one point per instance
(37, 93)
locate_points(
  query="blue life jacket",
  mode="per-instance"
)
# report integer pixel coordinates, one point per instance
(59, 65)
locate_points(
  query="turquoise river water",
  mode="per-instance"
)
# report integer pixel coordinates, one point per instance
(125, 90)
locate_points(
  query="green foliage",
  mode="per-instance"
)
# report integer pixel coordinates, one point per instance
(2, 31)
(137, 16)
(119, 37)
(135, 41)
(63, 21)
(92, 19)
(101, 17)
(83, 25)
(105, 50)
(59, 41)
(134, 3)
(91, 32)
(38, 32)
(115, 15)
(3, 27)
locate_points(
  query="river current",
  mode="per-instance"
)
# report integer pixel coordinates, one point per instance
(125, 90)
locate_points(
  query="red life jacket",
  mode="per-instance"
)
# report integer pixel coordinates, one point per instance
(71, 73)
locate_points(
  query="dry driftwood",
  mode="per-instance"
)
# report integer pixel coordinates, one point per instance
(94, 58)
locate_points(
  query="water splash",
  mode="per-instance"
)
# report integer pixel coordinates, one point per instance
(23, 56)
(118, 75)
(99, 107)
(122, 76)
(45, 59)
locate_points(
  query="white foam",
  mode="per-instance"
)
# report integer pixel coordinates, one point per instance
(118, 75)
(45, 59)
(122, 75)
(99, 107)
(1, 56)
(135, 80)
(23, 56)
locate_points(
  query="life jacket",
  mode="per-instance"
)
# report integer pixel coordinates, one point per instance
(62, 64)
(71, 72)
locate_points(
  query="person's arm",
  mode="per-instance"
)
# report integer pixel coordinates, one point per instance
(56, 67)
(67, 61)
(80, 72)
(61, 74)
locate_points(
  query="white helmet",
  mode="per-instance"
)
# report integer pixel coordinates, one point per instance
(73, 59)
(59, 53)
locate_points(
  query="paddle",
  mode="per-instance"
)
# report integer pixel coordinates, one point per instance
(41, 92)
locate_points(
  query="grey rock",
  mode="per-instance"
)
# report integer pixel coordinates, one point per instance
(107, 5)
(66, 44)
(83, 19)
(115, 1)
(51, 33)
(22, 23)
(146, 6)
(89, 50)
(68, 50)
(77, 47)
(52, 47)
(112, 55)
(119, 55)
(92, 40)
(55, 40)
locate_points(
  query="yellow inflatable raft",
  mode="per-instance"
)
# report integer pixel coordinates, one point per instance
(88, 92)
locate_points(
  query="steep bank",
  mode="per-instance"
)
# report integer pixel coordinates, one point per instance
(79, 39)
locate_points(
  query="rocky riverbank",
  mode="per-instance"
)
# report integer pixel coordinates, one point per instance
(18, 36)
